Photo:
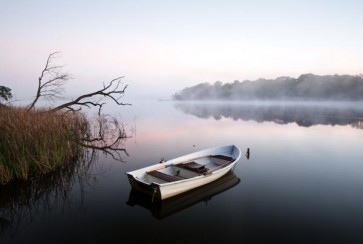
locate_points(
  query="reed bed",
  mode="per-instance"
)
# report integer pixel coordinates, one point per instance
(38, 141)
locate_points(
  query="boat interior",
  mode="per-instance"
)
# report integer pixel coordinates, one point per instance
(186, 170)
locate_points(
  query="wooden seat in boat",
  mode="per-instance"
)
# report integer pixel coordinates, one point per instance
(193, 166)
(226, 158)
(163, 176)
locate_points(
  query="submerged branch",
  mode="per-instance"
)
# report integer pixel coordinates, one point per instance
(105, 134)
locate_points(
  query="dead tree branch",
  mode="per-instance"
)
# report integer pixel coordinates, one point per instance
(111, 90)
(50, 81)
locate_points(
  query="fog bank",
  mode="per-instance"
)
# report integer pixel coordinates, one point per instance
(305, 87)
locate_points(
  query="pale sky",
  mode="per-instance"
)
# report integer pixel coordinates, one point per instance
(162, 46)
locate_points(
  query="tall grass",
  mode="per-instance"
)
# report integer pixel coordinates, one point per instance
(38, 142)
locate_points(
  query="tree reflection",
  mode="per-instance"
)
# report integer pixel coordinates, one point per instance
(302, 114)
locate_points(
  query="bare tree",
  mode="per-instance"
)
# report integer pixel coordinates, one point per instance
(51, 81)
(105, 133)
(51, 85)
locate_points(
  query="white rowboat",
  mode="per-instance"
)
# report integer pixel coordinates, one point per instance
(173, 177)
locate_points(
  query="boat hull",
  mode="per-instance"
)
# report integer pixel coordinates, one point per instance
(172, 189)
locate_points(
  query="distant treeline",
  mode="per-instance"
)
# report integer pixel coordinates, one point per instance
(305, 87)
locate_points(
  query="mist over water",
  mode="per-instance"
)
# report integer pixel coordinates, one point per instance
(307, 87)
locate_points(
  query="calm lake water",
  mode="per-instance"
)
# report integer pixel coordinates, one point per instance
(302, 184)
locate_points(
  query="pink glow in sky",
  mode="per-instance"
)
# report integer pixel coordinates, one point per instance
(163, 46)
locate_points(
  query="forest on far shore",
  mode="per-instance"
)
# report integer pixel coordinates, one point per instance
(305, 87)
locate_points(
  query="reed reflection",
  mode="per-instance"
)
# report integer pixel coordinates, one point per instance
(165, 208)
(302, 114)
(22, 202)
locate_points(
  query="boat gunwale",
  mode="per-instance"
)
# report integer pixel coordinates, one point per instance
(196, 177)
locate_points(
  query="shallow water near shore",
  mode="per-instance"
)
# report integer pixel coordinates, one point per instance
(301, 184)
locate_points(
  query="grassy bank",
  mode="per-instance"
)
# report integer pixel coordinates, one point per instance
(37, 142)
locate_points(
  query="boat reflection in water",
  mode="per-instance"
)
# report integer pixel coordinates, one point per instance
(162, 209)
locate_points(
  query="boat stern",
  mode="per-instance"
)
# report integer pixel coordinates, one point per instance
(150, 189)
